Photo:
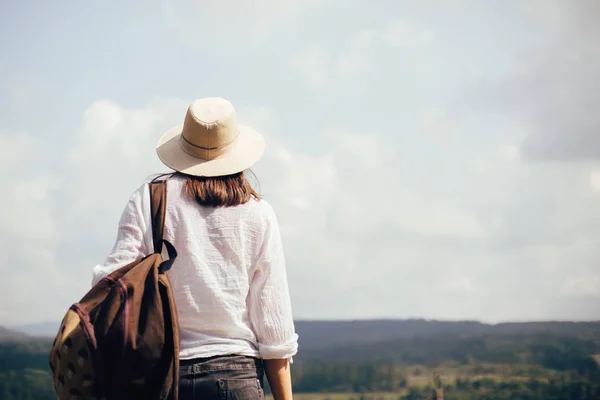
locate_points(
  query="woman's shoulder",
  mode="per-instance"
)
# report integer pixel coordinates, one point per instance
(260, 208)
(140, 196)
(255, 209)
(258, 216)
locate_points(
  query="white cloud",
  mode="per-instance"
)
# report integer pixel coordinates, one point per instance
(284, 155)
(26, 212)
(460, 285)
(396, 241)
(361, 151)
(360, 236)
(341, 211)
(313, 65)
(113, 149)
(327, 66)
(439, 123)
(324, 67)
(509, 152)
(234, 23)
(439, 220)
(586, 285)
(356, 59)
(29, 230)
(595, 180)
(407, 35)
(260, 118)
(304, 191)
(16, 148)
(553, 89)
(398, 194)
(19, 92)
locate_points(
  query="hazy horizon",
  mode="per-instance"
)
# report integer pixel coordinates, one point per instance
(55, 324)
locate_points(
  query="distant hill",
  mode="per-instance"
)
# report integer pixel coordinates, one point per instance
(8, 335)
(39, 329)
(325, 334)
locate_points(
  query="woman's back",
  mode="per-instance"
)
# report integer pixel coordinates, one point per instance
(230, 267)
(221, 250)
(229, 278)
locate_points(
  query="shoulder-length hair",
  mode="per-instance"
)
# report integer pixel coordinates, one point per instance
(219, 191)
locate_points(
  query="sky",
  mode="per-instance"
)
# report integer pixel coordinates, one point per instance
(425, 159)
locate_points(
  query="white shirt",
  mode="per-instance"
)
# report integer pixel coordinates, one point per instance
(229, 278)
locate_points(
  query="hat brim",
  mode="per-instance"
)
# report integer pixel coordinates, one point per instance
(247, 151)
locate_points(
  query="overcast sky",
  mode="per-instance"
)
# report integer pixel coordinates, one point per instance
(436, 159)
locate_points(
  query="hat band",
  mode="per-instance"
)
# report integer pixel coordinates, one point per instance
(210, 148)
(205, 153)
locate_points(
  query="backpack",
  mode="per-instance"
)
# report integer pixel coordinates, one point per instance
(121, 340)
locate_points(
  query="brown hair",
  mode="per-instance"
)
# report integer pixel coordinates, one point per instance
(219, 191)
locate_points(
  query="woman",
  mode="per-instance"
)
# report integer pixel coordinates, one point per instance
(229, 279)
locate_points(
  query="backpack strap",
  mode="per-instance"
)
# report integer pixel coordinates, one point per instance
(158, 205)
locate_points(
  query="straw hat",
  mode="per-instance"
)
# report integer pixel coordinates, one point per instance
(210, 142)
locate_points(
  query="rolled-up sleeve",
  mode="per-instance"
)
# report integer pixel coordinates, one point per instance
(130, 242)
(269, 303)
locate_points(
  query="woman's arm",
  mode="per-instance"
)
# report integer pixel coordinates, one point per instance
(279, 377)
(130, 243)
(270, 310)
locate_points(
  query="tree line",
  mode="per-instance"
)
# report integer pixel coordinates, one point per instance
(488, 367)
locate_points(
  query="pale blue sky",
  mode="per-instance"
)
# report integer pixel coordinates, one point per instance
(434, 159)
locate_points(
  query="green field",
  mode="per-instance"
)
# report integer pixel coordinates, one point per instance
(346, 396)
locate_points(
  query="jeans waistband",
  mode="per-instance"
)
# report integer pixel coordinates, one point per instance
(221, 363)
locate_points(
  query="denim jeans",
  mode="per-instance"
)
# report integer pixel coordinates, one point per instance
(221, 377)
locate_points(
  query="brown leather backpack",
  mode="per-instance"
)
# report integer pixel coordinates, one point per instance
(121, 340)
